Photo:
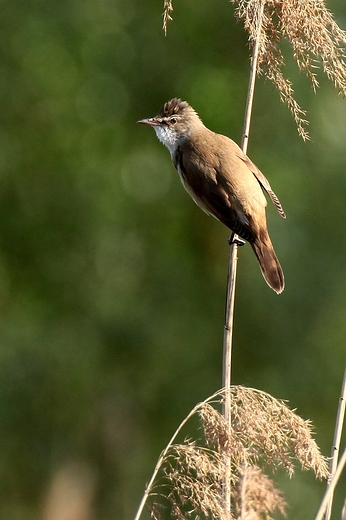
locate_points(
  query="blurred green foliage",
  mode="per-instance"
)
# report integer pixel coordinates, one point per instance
(112, 281)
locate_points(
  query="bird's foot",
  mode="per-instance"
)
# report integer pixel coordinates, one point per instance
(234, 239)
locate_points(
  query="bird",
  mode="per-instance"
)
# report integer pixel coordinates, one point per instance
(221, 179)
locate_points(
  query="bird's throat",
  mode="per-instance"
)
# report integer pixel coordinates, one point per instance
(168, 137)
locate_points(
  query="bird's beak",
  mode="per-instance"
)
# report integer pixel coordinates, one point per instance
(151, 121)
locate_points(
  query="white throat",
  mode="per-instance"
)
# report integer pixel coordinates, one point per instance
(168, 137)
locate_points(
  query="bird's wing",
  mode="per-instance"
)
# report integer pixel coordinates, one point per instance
(263, 182)
(211, 196)
(221, 207)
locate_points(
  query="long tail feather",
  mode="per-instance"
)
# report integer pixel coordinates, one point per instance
(269, 263)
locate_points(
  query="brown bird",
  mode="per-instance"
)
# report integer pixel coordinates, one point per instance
(221, 179)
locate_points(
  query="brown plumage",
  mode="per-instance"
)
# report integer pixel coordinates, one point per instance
(221, 179)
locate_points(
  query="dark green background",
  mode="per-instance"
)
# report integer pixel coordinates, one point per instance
(112, 280)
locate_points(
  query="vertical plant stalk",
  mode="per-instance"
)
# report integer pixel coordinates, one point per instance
(232, 269)
(331, 487)
(227, 367)
(336, 444)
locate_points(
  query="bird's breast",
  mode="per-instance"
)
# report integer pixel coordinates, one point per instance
(186, 182)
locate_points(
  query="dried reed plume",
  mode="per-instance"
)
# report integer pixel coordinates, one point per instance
(168, 8)
(263, 429)
(264, 433)
(309, 27)
(257, 496)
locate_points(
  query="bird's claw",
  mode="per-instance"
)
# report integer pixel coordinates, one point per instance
(234, 239)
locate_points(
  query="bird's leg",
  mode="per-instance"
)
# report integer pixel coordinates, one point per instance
(235, 239)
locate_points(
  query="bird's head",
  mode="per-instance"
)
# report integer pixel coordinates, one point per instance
(174, 123)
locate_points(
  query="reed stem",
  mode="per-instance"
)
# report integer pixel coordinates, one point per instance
(336, 444)
(232, 269)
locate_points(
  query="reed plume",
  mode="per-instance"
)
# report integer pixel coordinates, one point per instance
(313, 34)
(265, 435)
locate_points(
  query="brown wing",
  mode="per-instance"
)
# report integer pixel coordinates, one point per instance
(211, 196)
(263, 182)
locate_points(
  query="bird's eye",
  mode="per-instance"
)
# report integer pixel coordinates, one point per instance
(173, 120)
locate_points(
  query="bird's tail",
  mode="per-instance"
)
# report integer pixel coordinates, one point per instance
(269, 263)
